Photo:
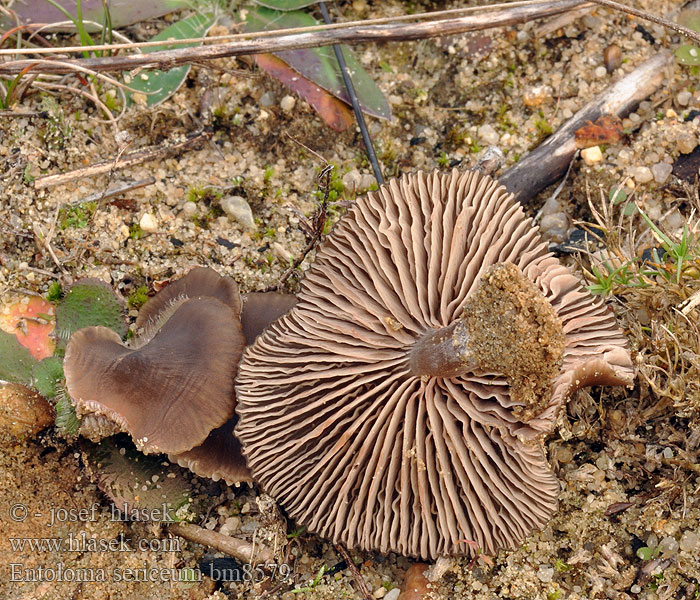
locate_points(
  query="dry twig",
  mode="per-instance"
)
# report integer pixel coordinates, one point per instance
(239, 549)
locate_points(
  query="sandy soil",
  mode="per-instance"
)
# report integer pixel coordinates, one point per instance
(627, 460)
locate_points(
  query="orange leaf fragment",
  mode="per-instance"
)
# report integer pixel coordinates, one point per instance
(31, 320)
(335, 113)
(604, 130)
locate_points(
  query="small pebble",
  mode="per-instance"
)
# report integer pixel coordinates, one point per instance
(661, 172)
(592, 155)
(536, 95)
(352, 180)
(612, 56)
(148, 223)
(635, 589)
(267, 99)
(287, 103)
(392, 594)
(380, 592)
(545, 573)
(565, 455)
(690, 541)
(683, 97)
(668, 546)
(189, 210)
(488, 134)
(282, 253)
(686, 143)
(238, 209)
(600, 72)
(642, 174)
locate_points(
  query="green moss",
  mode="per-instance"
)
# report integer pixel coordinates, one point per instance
(77, 216)
(138, 297)
(55, 292)
(135, 231)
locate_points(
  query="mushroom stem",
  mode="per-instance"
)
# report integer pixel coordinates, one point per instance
(443, 352)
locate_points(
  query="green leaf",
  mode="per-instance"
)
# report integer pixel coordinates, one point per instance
(46, 376)
(89, 302)
(688, 55)
(319, 64)
(285, 4)
(159, 85)
(16, 362)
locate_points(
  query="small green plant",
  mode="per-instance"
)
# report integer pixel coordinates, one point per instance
(313, 583)
(77, 216)
(543, 126)
(296, 533)
(55, 292)
(138, 297)
(561, 566)
(474, 147)
(269, 172)
(135, 231)
(443, 160)
(646, 553)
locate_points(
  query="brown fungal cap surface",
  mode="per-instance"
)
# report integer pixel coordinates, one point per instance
(199, 282)
(168, 393)
(341, 423)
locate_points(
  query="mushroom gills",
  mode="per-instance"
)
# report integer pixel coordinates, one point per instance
(507, 327)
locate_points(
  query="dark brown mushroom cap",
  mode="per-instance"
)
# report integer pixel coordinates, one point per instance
(358, 448)
(199, 282)
(262, 308)
(219, 457)
(169, 393)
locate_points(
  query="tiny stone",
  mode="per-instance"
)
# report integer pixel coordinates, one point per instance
(690, 541)
(380, 592)
(642, 174)
(612, 56)
(667, 453)
(545, 573)
(352, 180)
(282, 253)
(238, 209)
(600, 72)
(686, 143)
(488, 134)
(592, 155)
(635, 589)
(534, 96)
(565, 455)
(634, 117)
(148, 223)
(189, 210)
(555, 226)
(392, 594)
(267, 99)
(683, 97)
(602, 462)
(287, 103)
(652, 541)
(367, 182)
(668, 546)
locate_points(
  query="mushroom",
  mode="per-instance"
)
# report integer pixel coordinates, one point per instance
(382, 415)
(169, 389)
(181, 365)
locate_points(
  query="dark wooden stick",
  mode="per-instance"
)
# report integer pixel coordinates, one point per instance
(549, 161)
(168, 59)
(359, 579)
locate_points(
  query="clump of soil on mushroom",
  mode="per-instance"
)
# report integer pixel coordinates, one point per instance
(514, 330)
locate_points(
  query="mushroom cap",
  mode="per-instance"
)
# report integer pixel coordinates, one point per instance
(199, 282)
(336, 428)
(218, 457)
(172, 391)
(262, 308)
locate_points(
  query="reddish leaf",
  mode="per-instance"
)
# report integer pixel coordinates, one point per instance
(335, 113)
(604, 130)
(31, 320)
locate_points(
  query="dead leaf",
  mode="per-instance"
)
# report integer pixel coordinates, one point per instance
(334, 112)
(604, 130)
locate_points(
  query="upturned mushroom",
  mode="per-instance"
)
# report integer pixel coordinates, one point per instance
(402, 403)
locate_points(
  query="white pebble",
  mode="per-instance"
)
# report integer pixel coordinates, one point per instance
(392, 594)
(189, 210)
(148, 223)
(592, 155)
(668, 453)
(380, 592)
(642, 174)
(238, 209)
(668, 546)
(352, 180)
(267, 99)
(282, 253)
(488, 134)
(601, 72)
(545, 573)
(683, 97)
(287, 103)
